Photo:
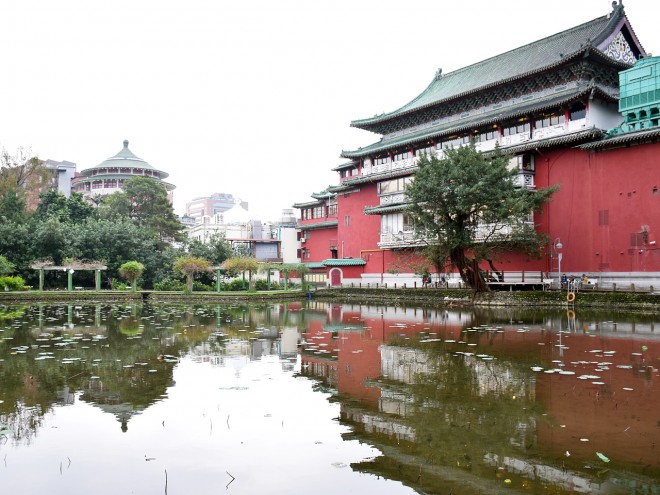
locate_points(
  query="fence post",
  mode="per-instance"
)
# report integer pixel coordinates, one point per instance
(632, 287)
(613, 286)
(415, 284)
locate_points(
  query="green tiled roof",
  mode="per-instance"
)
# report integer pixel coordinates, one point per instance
(124, 159)
(312, 265)
(319, 225)
(308, 204)
(350, 164)
(483, 119)
(381, 210)
(572, 137)
(628, 137)
(341, 189)
(515, 64)
(344, 262)
(323, 195)
(363, 179)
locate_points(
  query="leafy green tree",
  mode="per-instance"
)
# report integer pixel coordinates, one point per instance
(190, 266)
(131, 271)
(53, 204)
(16, 245)
(235, 266)
(6, 266)
(468, 208)
(52, 239)
(12, 207)
(216, 250)
(20, 174)
(145, 202)
(21, 171)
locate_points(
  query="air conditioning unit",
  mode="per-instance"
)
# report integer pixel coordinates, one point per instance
(303, 238)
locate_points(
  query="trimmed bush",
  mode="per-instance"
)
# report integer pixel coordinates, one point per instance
(12, 283)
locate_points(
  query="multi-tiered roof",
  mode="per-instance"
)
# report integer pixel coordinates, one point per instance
(579, 63)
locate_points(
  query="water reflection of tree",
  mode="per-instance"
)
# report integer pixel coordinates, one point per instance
(104, 352)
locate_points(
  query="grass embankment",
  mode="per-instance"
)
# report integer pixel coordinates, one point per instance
(593, 299)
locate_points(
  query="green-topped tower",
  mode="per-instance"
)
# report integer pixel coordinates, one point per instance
(109, 176)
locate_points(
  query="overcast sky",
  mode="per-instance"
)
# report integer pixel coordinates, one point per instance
(248, 97)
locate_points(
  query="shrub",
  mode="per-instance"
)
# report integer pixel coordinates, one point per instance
(262, 284)
(170, 284)
(11, 283)
(200, 287)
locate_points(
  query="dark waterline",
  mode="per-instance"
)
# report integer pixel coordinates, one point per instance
(293, 397)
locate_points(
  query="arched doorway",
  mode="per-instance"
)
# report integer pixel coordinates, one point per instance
(335, 277)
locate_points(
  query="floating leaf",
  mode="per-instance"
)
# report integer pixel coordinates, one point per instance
(602, 457)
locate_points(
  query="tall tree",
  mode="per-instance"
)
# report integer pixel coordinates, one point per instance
(20, 175)
(145, 202)
(469, 209)
(53, 204)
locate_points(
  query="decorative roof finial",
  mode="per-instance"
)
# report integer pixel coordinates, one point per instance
(438, 73)
(125, 143)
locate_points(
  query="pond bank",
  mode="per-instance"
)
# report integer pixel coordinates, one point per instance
(462, 297)
(430, 296)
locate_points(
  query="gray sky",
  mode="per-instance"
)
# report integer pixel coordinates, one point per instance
(250, 97)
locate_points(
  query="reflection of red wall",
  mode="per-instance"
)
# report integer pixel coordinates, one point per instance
(628, 421)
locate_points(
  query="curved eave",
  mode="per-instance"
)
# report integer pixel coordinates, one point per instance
(574, 137)
(366, 179)
(479, 121)
(319, 225)
(81, 178)
(344, 262)
(382, 210)
(308, 204)
(344, 166)
(342, 189)
(373, 124)
(88, 171)
(646, 135)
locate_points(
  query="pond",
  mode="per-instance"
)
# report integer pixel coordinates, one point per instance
(326, 398)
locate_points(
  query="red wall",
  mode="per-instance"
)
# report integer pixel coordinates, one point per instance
(318, 244)
(605, 197)
(362, 231)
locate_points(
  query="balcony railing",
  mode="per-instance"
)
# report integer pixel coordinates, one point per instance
(391, 199)
(485, 232)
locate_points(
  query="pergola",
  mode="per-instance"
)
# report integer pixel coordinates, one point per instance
(70, 269)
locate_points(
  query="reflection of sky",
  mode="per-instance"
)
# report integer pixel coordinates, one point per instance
(251, 419)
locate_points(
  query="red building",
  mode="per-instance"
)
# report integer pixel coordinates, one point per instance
(554, 105)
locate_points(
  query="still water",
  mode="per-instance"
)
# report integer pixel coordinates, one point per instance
(328, 399)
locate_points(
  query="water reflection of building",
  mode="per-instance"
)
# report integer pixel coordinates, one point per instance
(377, 365)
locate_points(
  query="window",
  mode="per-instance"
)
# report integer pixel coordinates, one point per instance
(523, 162)
(546, 120)
(393, 186)
(317, 212)
(347, 220)
(382, 160)
(423, 151)
(486, 135)
(516, 128)
(453, 142)
(401, 156)
(578, 111)
(332, 210)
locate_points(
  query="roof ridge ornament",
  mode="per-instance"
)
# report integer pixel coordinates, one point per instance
(126, 143)
(438, 73)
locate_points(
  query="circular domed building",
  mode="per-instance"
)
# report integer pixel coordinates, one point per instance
(109, 176)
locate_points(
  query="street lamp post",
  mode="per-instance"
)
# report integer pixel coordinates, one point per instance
(557, 245)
